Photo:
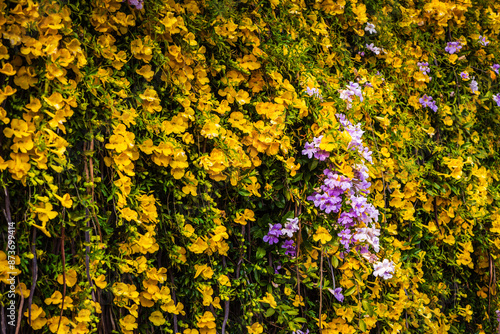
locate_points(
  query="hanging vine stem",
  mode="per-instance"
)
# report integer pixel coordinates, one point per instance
(35, 273)
(87, 250)
(321, 290)
(63, 256)
(226, 305)
(169, 273)
(20, 312)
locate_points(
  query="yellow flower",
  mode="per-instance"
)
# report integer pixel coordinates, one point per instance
(322, 235)
(256, 328)
(129, 214)
(205, 271)
(55, 299)
(83, 316)
(66, 200)
(128, 323)
(7, 69)
(157, 318)
(100, 281)
(207, 293)
(146, 72)
(44, 212)
(199, 246)
(242, 218)
(224, 280)
(71, 278)
(269, 299)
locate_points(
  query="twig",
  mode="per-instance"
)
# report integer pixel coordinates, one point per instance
(63, 256)
(226, 305)
(20, 312)
(87, 250)
(35, 274)
(320, 289)
(174, 298)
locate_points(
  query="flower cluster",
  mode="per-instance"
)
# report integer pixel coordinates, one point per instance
(427, 101)
(453, 47)
(312, 149)
(353, 89)
(356, 222)
(424, 67)
(464, 75)
(277, 230)
(314, 92)
(373, 48)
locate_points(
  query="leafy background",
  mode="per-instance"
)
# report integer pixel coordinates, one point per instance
(145, 152)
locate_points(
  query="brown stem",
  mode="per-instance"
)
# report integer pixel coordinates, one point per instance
(87, 250)
(320, 289)
(63, 256)
(4, 329)
(174, 298)
(35, 274)
(20, 312)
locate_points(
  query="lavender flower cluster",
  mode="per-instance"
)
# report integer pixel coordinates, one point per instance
(424, 67)
(353, 89)
(453, 47)
(357, 221)
(277, 230)
(427, 101)
(314, 92)
(373, 48)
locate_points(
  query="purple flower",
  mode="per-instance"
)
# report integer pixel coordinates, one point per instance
(452, 47)
(361, 53)
(301, 332)
(322, 155)
(373, 48)
(314, 92)
(138, 4)
(370, 27)
(290, 248)
(474, 87)
(496, 98)
(345, 238)
(424, 67)
(464, 75)
(337, 293)
(274, 232)
(495, 68)
(291, 226)
(384, 269)
(427, 101)
(309, 150)
(483, 41)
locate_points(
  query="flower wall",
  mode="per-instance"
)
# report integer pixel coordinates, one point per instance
(203, 167)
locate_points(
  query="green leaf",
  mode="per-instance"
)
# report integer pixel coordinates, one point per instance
(261, 252)
(243, 192)
(313, 165)
(362, 325)
(350, 291)
(367, 307)
(269, 312)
